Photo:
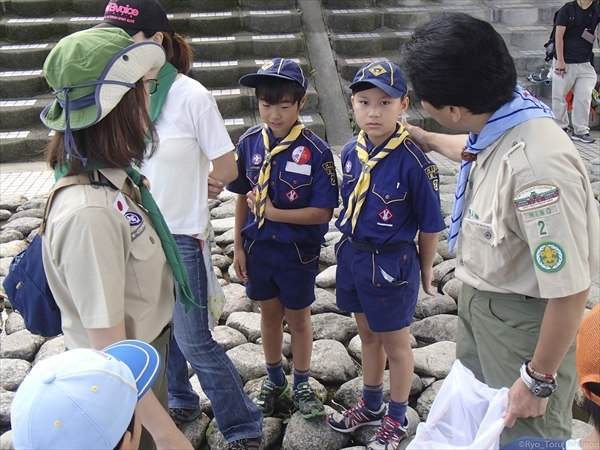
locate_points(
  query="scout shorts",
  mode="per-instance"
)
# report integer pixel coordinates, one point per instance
(383, 286)
(285, 271)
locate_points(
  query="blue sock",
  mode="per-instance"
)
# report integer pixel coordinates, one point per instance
(373, 396)
(300, 376)
(275, 373)
(397, 411)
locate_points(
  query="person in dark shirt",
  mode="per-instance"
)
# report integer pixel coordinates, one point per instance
(576, 24)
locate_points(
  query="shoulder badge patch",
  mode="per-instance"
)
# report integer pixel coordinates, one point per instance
(549, 257)
(535, 197)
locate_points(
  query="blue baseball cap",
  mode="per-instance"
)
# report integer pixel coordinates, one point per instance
(384, 75)
(279, 68)
(83, 398)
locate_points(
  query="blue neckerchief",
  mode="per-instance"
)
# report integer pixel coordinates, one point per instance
(523, 107)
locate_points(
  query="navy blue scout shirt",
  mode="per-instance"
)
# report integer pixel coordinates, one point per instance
(403, 196)
(301, 176)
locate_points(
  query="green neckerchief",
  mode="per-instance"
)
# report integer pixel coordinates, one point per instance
(166, 238)
(165, 78)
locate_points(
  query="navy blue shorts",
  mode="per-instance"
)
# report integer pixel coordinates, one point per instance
(286, 271)
(383, 286)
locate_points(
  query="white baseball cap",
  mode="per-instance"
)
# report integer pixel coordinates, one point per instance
(83, 398)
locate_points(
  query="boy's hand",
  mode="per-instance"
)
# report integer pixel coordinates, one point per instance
(239, 264)
(251, 200)
(215, 187)
(426, 279)
(419, 135)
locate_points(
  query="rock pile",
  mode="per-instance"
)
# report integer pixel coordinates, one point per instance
(336, 371)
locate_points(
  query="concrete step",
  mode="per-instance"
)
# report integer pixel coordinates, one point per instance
(28, 143)
(35, 8)
(220, 23)
(32, 55)
(213, 74)
(18, 113)
(368, 43)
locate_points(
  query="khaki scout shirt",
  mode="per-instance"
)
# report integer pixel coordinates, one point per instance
(104, 263)
(530, 222)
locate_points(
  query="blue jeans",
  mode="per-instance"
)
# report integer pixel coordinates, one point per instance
(237, 416)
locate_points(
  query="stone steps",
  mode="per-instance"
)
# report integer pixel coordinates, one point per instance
(233, 37)
(220, 23)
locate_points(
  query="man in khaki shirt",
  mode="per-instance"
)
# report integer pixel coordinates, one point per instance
(525, 222)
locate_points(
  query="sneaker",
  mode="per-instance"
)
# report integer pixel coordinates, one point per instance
(355, 417)
(269, 394)
(583, 138)
(182, 415)
(245, 444)
(389, 435)
(307, 401)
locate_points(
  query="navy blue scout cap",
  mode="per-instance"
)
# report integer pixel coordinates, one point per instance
(385, 75)
(277, 67)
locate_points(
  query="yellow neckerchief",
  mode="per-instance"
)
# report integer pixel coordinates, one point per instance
(265, 171)
(357, 198)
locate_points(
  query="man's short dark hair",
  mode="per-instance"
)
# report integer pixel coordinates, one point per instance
(457, 60)
(273, 90)
(592, 408)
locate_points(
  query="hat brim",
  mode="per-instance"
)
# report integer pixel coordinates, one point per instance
(389, 90)
(252, 79)
(129, 66)
(142, 359)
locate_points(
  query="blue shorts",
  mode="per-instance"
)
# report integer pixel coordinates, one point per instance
(286, 271)
(383, 286)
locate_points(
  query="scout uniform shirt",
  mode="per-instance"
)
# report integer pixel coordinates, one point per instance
(530, 221)
(105, 263)
(403, 195)
(301, 176)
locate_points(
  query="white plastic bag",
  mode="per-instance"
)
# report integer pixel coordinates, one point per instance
(466, 414)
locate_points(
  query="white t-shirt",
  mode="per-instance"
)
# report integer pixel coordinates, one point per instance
(191, 133)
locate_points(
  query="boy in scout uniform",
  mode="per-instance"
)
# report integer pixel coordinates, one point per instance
(287, 191)
(524, 223)
(390, 192)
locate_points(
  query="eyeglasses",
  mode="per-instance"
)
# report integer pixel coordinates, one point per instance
(151, 85)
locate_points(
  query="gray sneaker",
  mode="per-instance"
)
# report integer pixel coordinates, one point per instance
(583, 138)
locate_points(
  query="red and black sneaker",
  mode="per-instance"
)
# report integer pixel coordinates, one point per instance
(355, 417)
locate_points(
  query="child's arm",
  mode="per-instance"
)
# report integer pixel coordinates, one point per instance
(427, 250)
(302, 216)
(239, 254)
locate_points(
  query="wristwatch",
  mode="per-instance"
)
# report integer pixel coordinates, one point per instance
(541, 389)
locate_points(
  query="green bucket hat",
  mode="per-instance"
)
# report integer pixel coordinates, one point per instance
(90, 71)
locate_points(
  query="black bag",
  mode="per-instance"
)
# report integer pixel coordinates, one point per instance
(29, 293)
(550, 46)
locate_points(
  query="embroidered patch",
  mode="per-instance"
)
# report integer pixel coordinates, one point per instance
(257, 159)
(435, 185)
(267, 65)
(301, 155)
(348, 166)
(540, 213)
(432, 171)
(134, 219)
(549, 257)
(120, 204)
(535, 197)
(138, 231)
(386, 214)
(377, 70)
(329, 168)
(292, 195)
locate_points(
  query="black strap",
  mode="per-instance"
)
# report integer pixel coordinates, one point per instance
(441, 284)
